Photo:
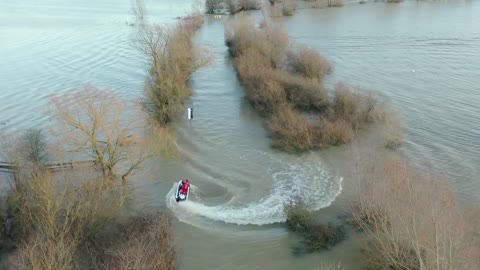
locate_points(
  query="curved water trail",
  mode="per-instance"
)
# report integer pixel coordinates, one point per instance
(309, 181)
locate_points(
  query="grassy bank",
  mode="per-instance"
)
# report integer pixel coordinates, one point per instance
(284, 83)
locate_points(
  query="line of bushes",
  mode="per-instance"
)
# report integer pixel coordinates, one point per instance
(173, 58)
(285, 85)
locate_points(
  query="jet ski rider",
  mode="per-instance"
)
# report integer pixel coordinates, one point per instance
(185, 186)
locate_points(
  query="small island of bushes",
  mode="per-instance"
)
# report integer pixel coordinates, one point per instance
(284, 83)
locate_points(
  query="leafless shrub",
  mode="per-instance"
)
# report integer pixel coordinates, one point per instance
(211, 6)
(337, 132)
(290, 130)
(34, 146)
(266, 94)
(250, 4)
(145, 242)
(274, 44)
(308, 63)
(232, 6)
(242, 38)
(10, 146)
(252, 67)
(347, 103)
(289, 7)
(358, 108)
(39, 252)
(303, 93)
(394, 134)
(239, 34)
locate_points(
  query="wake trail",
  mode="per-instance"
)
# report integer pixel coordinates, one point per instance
(310, 182)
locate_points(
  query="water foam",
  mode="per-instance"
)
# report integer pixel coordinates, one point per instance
(308, 180)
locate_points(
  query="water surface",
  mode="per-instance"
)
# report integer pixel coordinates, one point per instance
(422, 56)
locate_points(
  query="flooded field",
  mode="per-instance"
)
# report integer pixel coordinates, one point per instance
(423, 57)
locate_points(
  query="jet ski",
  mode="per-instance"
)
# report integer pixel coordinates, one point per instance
(180, 196)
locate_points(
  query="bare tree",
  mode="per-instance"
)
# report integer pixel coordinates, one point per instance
(91, 121)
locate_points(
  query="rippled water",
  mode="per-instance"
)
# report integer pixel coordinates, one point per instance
(423, 56)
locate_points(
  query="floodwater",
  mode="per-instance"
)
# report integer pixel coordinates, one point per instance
(424, 57)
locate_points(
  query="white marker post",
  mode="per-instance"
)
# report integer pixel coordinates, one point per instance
(190, 114)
